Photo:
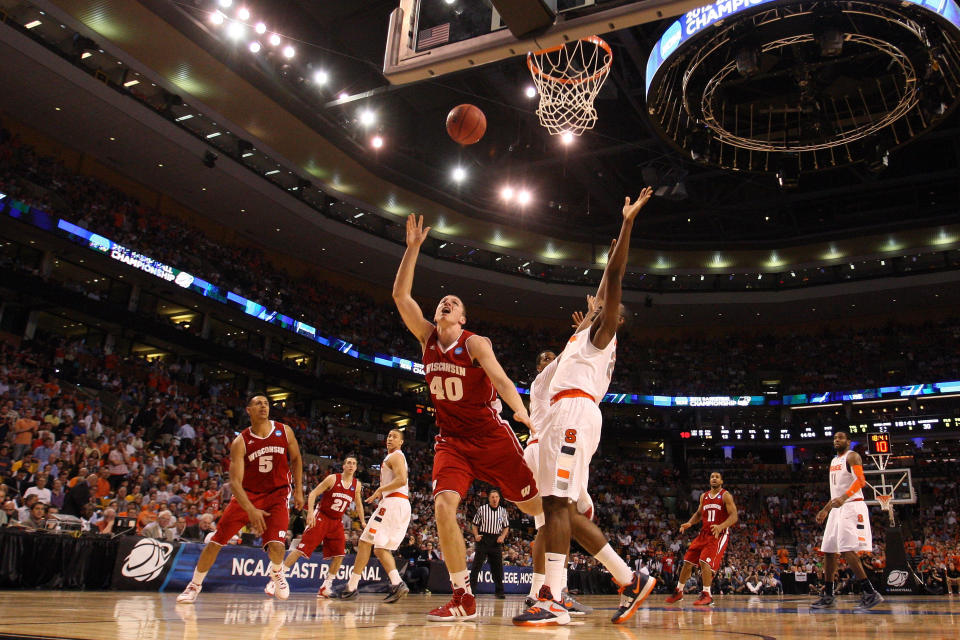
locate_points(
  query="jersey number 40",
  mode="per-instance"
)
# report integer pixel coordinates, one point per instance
(446, 388)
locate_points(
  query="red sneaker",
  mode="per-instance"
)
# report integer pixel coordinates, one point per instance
(676, 597)
(705, 600)
(462, 606)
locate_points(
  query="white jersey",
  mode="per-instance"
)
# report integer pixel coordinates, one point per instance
(540, 397)
(841, 478)
(585, 367)
(387, 475)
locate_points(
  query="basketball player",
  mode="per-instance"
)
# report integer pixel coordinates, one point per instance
(260, 481)
(464, 378)
(848, 524)
(388, 525)
(718, 513)
(569, 437)
(325, 523)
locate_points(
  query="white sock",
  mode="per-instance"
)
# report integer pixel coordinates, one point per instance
(538, 579)
(556, 562)
(394, 577)
(198, 576)
(615, 565)
(706, 590)
(563, 583)
(354, 581)
(461, 580)
(276, 568)
(679, 587)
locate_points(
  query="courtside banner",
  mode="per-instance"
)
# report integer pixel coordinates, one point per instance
(515, 579)
(143, 564)
(241, 569)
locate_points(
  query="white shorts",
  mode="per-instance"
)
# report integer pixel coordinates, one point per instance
(848, 529)
(584, 502)
(387, 527)
(569, 438)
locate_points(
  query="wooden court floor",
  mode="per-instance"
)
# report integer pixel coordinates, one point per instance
(134, 616)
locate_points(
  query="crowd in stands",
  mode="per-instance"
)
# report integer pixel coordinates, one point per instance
(727, 365)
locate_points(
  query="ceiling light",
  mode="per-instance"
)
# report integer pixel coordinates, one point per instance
(459, 173)
(226, 3)
(243, 13)
(507, 193)
(271, 172)
(213, 135)
(31, 25)
(255, 47)
(130, 83)
(289, 52)
(216, 18)
(523, 197)
(367, 118)
(235, 30)
(531, 92)
(274, 39)
(321, 77)
(376, 142)
(566, 137)
(260, 28)
(85, 55)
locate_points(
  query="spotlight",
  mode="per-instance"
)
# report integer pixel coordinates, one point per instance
(260, 28)
(226, 4)
(523, 197)
(748, 60)
(216, 18)
(531, 92)
(566, 137)
(274, 39)
(458, 174)
(367, 118)
(376, 142)
(289, 52)
(830, 40)
(235, 30)
(209, 159)
(507, 193)
(321, 77)
(828, 31)
(255, 47)
(243, 14)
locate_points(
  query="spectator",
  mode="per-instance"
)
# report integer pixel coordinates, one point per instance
(198, 532)
(35, 518)
(162, 528)
(107, 523)
(9, 515)
(40, 490)
(79, 496)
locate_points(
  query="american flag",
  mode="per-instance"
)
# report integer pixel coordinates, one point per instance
(433, 36)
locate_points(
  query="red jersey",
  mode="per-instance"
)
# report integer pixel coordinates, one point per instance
(265, 466)
(712, 511)
(338, 499)
(465, 399)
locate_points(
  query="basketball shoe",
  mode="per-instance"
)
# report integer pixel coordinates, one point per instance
(705, 600)
(547, 612)
(189, 595)
(281, 589)
(825, 602)
(574, 607)
(677, 596)
(347, 594)
(632, 594)
(324, 591)
(868, 600)
(462, 606)
(397, 591)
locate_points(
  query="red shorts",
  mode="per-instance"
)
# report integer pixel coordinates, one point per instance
(495, 457)
(329, 533)
(275, 503)
(708, 549)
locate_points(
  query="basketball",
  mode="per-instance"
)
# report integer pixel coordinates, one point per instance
(466, 124)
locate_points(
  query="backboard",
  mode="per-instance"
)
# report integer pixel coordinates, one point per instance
(898, 482)
(429, 38)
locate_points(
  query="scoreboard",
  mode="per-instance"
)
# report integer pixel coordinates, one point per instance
(878, 444)
(920, 425)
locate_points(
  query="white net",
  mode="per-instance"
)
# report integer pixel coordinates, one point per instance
(568, 79)
(886, 504)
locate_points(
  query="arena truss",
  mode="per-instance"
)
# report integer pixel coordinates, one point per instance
(792, 87)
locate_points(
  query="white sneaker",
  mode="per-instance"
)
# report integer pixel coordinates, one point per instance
(270, 589)
(280, 585)
(189, 595)
(325, 592)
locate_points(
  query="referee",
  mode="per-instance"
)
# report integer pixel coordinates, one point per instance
(493, 528)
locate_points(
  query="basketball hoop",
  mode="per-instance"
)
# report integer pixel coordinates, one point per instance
(886, 504)
(568, 79)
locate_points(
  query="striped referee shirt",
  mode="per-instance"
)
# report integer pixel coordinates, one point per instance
(491, 521)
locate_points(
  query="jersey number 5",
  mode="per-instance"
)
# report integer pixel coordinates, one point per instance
(266, 464)
(446, 388)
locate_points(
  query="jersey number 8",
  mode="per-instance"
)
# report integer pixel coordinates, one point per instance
(446, 388)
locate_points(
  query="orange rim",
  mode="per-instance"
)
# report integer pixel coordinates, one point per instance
(600, 43)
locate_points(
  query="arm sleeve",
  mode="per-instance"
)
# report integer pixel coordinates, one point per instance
(860, 481)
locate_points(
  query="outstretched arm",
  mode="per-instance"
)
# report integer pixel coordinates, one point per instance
(605, 326)
(403, 284)
(481, 350)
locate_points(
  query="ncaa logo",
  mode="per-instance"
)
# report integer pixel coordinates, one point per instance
(458, 350)
(146, 560)
(897, 578)
(277, 432)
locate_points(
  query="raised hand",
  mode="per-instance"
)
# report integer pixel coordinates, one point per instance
(631, 209)
(577, 317)
(416, 234)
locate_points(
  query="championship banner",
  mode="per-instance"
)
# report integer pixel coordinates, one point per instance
(515, 579)
(143, 564)
(242, 569)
